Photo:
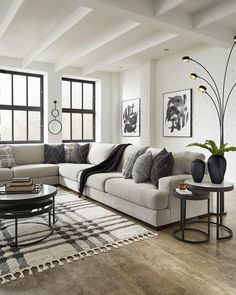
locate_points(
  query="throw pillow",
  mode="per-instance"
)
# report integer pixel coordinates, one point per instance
(68, 153)
(162, 166)
(142, 167)
(129, 164)
(7, 159)
(80, 153)
(54, 154)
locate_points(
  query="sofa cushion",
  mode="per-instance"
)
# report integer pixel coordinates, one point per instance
(28, 153)
(129, 164)
(54, 154)
(142, 167)
(183, 161)
(154, 151)
(99, 152)
(71, 170)
(5, 174)
(80, 153)
(7, 159)
(35, 170)
(68, 149)
(98, 180)
(144, 194)
(130, 150)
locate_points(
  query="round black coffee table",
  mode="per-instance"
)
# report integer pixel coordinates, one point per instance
(25, 205)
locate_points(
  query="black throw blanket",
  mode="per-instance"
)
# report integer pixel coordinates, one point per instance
(108, 165)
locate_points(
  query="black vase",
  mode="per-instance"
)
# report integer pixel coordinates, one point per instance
(216, 167)
(198, 170)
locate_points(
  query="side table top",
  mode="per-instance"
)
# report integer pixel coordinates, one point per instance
(207, 185)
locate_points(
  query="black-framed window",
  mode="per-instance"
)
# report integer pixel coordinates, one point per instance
(78, 110)
(21, 107)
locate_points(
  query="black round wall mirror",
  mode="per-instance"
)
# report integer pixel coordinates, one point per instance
(54, 126)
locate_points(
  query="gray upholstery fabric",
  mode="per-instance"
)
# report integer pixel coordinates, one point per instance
(142, 167)
(80, 153)
(68, 149)
(28, 153)
(183, 161)
(144, 194)
(99, 152)
(154, 151)
(129, 164)
(98, 181)
(71, 170)
(35, 170)
(54, 154)
(5, 174)
(130, 150)
(7, 159)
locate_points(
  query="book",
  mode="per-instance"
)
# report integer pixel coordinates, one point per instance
(20, 179)
(183, 192)
(20, 183)
(19, 188)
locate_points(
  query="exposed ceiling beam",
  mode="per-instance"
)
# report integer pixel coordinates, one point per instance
(214, 13)
(139, 46)
(12, 11)
(65, 26)
(164, 6)
(96, 42)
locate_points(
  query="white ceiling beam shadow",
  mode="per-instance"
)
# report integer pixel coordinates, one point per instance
(139, 46)
(12, 11)
(75, 17)
(214, 13)
(165, 6)
(96, 42)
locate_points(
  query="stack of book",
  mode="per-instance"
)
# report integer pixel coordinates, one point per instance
(20, 185)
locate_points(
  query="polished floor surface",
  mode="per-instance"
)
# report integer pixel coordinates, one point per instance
(159, 265)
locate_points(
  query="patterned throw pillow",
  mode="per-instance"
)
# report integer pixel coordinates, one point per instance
(69, 153)
(54, 154)
(80, 153)
(129, 164)
(7, 159)
(162, 166)
(142, 167)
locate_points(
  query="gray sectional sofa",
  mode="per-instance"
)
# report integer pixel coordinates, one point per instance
(141, 200)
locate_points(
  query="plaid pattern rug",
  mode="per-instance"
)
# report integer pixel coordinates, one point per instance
(83, 228)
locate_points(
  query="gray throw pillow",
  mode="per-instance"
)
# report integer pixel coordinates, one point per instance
(7, 159)
(162, 166)
(129, 164)
(68, 153)
(80, 153)
(54, 154)
(142, 167)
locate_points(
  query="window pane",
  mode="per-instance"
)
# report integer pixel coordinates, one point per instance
(76, 95)
(5, 125)
(19, 90)
(19, 125)
(34, 125)
(5, 88)
(34, 91)
(88, 96)
(65, 126)
(65, 94)
(76, 126)
(88, 126)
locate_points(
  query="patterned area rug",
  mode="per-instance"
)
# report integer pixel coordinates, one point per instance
(83, 228)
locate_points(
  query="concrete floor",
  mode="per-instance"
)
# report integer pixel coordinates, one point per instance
(159, 265)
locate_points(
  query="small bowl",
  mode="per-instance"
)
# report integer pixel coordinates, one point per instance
(182, 186)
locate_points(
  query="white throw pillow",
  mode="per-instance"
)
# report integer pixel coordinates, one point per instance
(7, 159)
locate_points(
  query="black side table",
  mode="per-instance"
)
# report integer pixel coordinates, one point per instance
(184, 225)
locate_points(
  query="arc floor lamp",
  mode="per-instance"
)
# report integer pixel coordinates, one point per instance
(219, 100)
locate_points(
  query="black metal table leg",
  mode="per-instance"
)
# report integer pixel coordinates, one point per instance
(53, 211)
(16, 232)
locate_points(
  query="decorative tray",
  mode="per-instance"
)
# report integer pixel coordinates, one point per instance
(37, 188)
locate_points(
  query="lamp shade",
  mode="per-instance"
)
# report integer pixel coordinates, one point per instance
(202, 89)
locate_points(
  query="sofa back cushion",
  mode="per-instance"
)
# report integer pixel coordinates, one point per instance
(129, 151)
(183, 161)
(28, 153)
(98, 152)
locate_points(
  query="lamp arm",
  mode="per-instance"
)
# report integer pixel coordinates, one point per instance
(225, 74)
(227, 100)
(208, 74)
(215, 106)
(218, 99)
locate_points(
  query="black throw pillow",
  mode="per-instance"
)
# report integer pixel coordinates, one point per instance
(162, 166)
(80, 153)
(54, 154)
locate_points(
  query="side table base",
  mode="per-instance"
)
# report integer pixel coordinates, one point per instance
(183, 239)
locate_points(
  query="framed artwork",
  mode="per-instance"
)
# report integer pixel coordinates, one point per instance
(131, 117)
(177, 113)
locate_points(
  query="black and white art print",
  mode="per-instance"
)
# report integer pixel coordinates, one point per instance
(177, 114)
(131, 117)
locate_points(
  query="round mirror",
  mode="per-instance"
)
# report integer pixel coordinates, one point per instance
(54, 126)
(55, 113)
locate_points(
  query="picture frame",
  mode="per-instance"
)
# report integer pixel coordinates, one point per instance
(177, 113)
(130, 121)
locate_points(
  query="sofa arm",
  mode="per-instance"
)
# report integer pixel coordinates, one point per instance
(169, 183)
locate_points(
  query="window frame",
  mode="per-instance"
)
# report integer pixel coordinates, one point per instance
(25, 108)
(81, 110)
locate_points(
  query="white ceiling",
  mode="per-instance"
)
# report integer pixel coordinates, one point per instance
(110, 35)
